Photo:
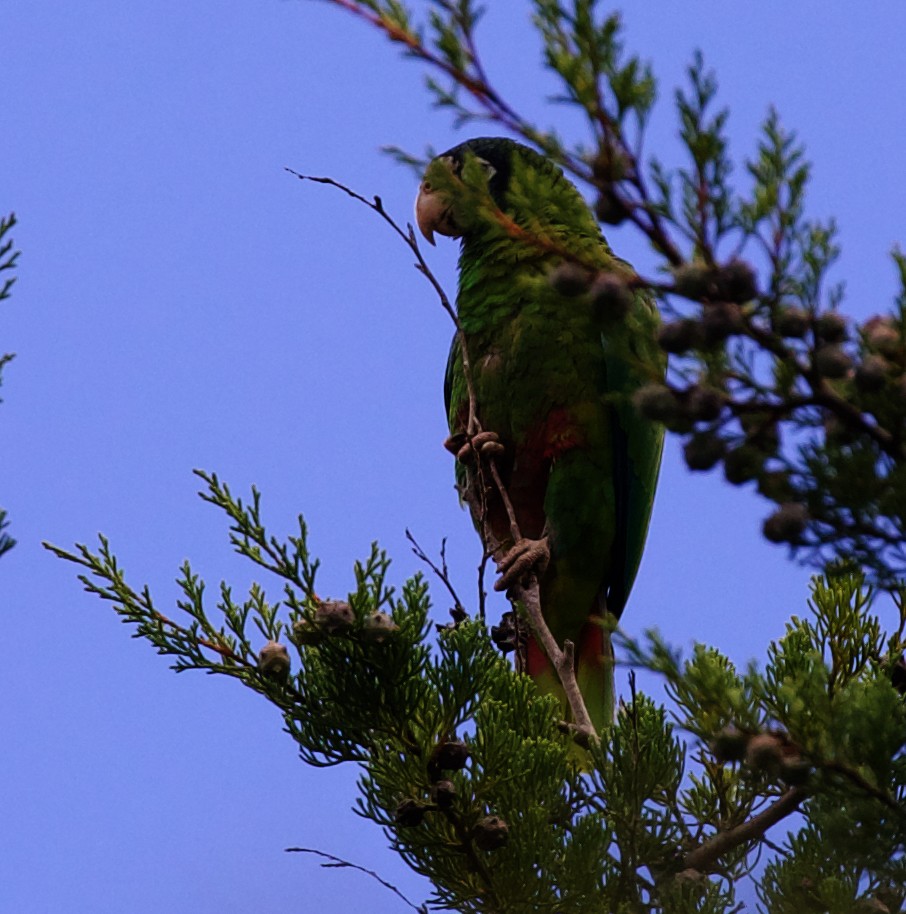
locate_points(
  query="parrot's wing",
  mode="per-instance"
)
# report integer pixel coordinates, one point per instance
(637, 449)
(452, 361)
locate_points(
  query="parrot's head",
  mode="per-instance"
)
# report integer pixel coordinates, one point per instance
(478, 167)
(461, 186)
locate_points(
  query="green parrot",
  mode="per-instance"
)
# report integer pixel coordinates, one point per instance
(552, 373)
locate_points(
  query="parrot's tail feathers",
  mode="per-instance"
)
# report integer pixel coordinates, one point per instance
(594, 671)
(536, 663)
(593, 648)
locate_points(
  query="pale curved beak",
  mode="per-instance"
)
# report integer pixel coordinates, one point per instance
(428, 212)
(432, 214)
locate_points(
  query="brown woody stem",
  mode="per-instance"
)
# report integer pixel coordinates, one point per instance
(704, 857)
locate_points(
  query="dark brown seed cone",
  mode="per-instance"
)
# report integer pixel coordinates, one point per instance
(791, 322)
(695, 281)
(720, 321)
(610, 165)
(872, 373)
(379, 627)
(736, 282)
(450, 755)
(703, 450)
(409, 813)
(680, 336)
(764, 752)
(334, 616)
(742, 464)
(831, 327)
(703, 404)
(609, 208)
(654, 401)
(273, 661)
(775, 485)
(763, 435)
(786, 524)
(569, 279)
(898, 675)
(832, 362)
(490, 833)
(795, 771)
(443, 793)
(730, 745)
(881, 334)
(306, 632)
(611, 298)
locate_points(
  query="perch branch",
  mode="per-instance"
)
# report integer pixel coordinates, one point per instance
(706, 855)
(563, 660)
(528, 594)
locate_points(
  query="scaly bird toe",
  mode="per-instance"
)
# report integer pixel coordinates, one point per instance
(485, 444)
(525, 557)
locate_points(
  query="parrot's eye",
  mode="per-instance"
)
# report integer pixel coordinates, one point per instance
(451, 163)
(486, 167)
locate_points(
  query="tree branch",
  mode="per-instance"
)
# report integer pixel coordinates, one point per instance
(862, 784)
(442, 572)
(409, 238)
(561, 659)
(704, 857)
(339, 863)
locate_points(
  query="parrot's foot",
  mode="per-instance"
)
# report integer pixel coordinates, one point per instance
(465, 447)
(525, 557)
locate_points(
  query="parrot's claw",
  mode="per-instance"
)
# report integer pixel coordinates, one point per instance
(484, 444)
(525, 557)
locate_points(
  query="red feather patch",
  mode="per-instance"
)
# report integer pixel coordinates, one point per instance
(558, 434)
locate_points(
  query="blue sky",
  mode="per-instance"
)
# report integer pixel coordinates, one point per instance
(183, 302)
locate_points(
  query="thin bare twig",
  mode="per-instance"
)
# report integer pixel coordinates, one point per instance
(482, 593)
(507, 504)
(864, 785)
(442, 572)
(340, 863)
(411, 241)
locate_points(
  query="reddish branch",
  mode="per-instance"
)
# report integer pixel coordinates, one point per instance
(221, 649)
(476, 86)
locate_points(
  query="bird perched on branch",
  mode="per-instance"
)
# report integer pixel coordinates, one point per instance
(557, 337)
